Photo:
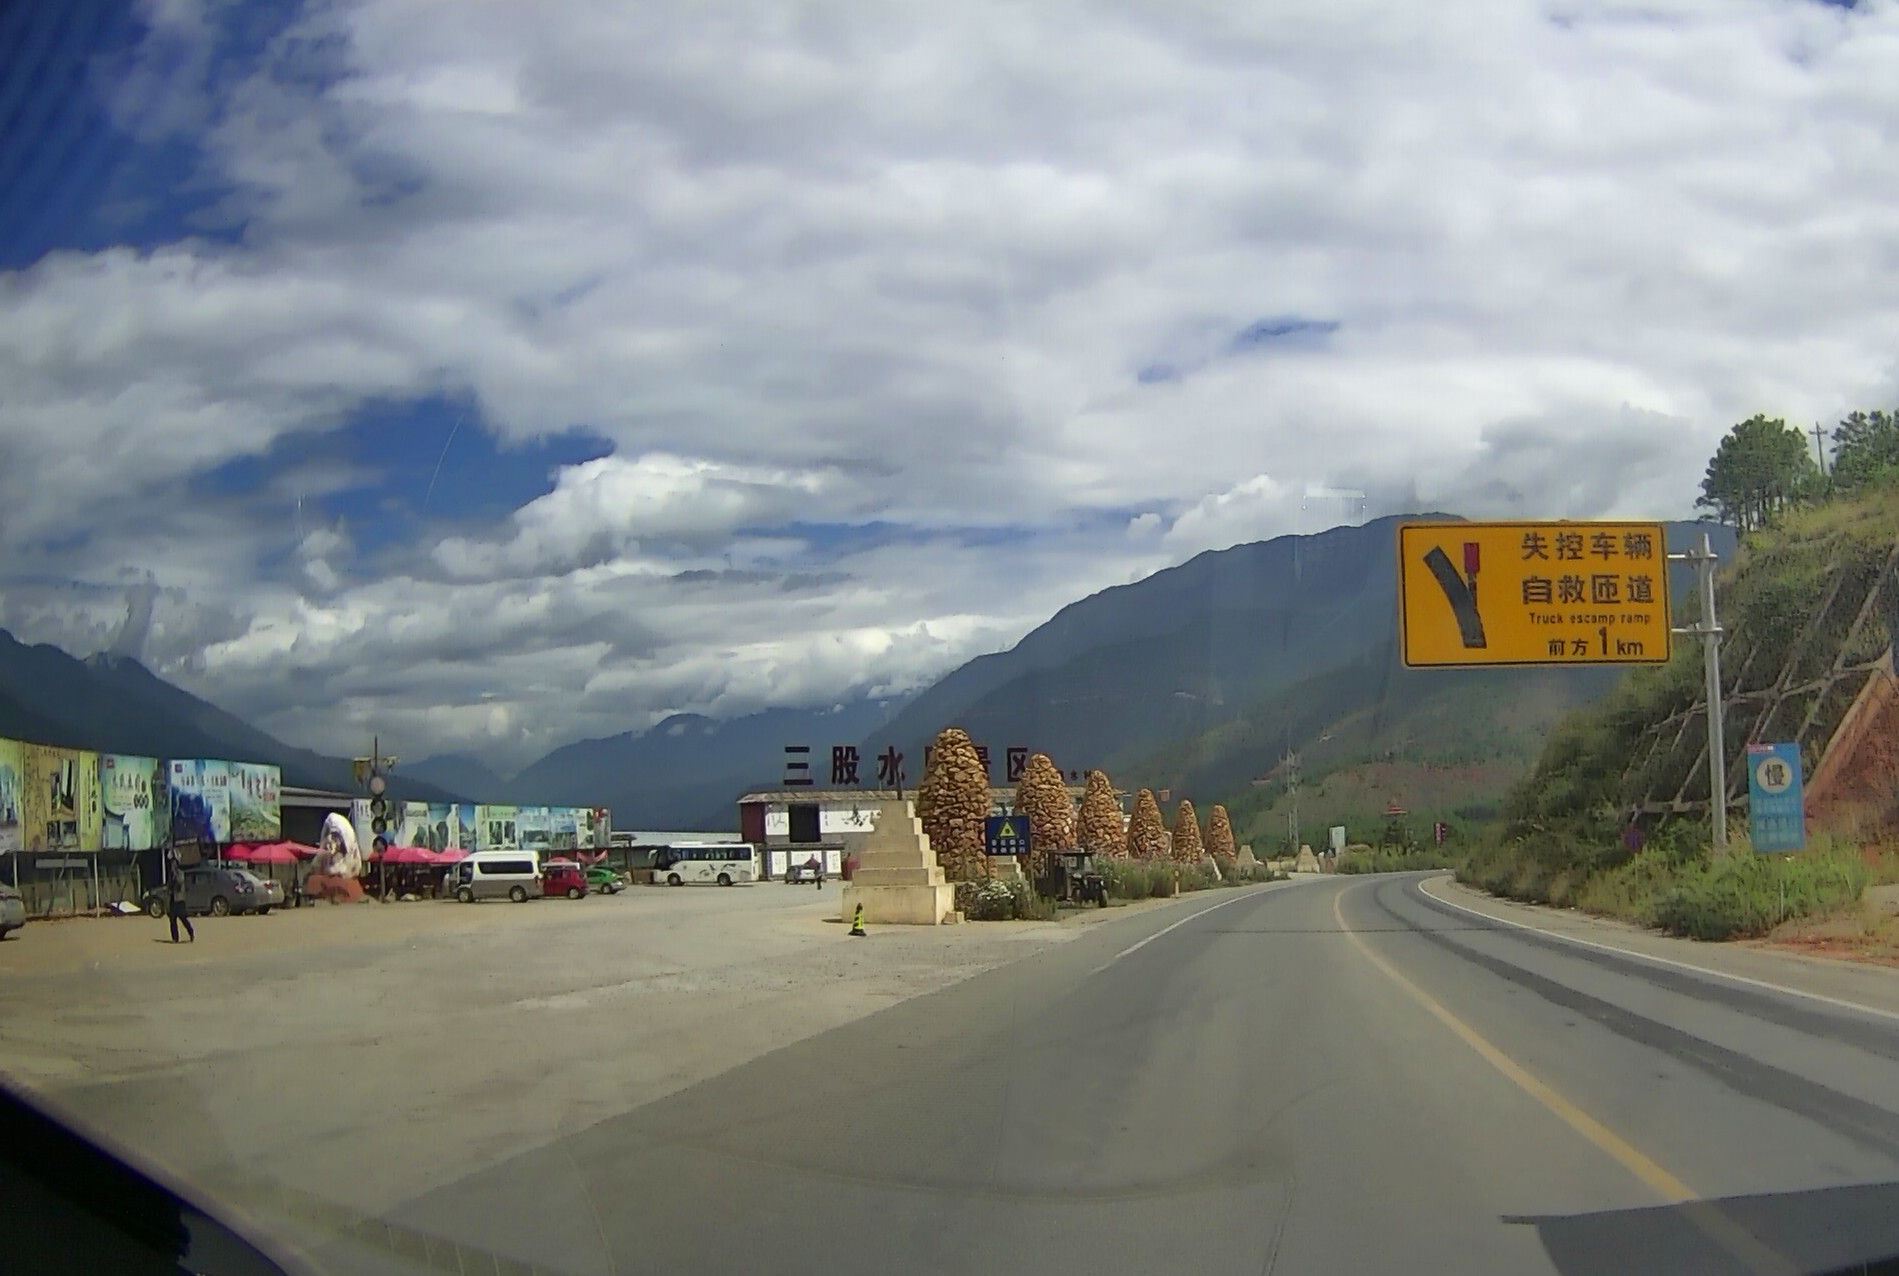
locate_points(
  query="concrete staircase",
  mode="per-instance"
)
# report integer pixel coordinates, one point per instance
(897, 878)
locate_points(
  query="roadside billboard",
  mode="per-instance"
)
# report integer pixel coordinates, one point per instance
(563, 828)
(1549, 593)
(496, 828)
(256, 791)
(411, 824)
(60, 800)
(464, 827)
(441, 830)
(200, 794)
(132, 801)
(12, 795)
(532, 827)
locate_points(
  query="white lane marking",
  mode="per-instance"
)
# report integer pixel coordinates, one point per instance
(1140, 944)
(1841, 1003)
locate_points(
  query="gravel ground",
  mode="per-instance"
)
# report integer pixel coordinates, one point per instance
(363, 1054)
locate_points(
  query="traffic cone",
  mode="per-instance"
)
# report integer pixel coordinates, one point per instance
(857, 923)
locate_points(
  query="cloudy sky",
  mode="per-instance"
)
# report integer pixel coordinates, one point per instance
(490, 374)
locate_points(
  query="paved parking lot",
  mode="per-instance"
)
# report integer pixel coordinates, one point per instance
(365, 1053)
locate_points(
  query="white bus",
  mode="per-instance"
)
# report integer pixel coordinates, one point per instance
(703, 863)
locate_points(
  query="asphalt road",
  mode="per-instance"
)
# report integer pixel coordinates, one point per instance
(1339, 1075)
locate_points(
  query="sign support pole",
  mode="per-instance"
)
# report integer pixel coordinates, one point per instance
(1704, 559)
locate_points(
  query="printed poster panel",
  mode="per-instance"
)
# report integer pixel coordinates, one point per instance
(91, 802)
(12, 795)
(131, 792)
(256, 791)
(464, 826)
(360, 821)
(412, 825)
(497, 828)
(200, 792)
(835, 823)
(601, 826)
(533, 825)
(441, 827)
(51, 807)
(563, 828)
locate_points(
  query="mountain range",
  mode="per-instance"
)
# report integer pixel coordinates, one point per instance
(116, 705)
(681, 773)
(1194, 679)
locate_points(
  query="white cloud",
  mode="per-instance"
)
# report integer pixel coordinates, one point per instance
(906, 267)
(1254, 510)
(602, 509)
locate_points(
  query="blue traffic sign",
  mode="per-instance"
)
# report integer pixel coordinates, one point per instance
(1776, 804)
(1006, 835)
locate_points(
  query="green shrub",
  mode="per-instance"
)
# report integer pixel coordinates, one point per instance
(1675, 883)
(1162, 882)
(1748, 894)
(1370, 861)
(1030, 906)
(1127, 879)
(1194, 877)
(989, 901)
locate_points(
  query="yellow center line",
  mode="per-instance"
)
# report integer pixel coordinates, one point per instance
(1743, 1245)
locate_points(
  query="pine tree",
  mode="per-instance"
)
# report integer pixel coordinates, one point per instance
(1865, 449)
(1760, 467)
(953, 802)
(1147, 836)
(1187, 845)
(1100, 828)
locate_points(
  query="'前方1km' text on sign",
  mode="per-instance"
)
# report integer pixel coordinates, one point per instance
(1533, 594)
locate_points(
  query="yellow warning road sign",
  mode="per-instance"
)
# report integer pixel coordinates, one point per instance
(1532, 594)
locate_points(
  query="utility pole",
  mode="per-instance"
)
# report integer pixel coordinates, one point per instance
(372, 774)
(1819, 447)
(1292, 790)
(1703, 557)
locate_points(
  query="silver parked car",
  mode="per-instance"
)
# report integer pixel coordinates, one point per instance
(12, 911)
(220, 890)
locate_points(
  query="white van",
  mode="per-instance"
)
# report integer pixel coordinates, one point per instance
(494, 874)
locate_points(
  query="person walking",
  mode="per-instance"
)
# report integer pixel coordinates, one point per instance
(175, 899)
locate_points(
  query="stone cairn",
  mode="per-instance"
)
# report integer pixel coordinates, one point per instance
(953, 801)
(1100, 827)
(1147, 836)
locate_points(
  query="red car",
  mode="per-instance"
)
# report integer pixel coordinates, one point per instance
(563, 879)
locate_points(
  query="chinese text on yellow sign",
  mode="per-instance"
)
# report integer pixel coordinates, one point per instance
(1533, 594)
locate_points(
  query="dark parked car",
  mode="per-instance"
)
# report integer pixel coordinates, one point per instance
(215, 890)
(12, 911)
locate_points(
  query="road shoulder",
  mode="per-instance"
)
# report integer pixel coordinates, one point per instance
(1871, 988)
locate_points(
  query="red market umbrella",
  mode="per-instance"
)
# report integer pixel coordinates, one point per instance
(408, 855)
(450, 856)
(268, 853)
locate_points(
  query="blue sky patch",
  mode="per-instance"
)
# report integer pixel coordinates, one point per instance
(380, 473)
(70, 178)
(1283, 329)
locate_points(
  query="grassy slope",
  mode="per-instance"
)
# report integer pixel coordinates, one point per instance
(1449, 753)
(1561, 842)
(1777, 582)
(1446, 744)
